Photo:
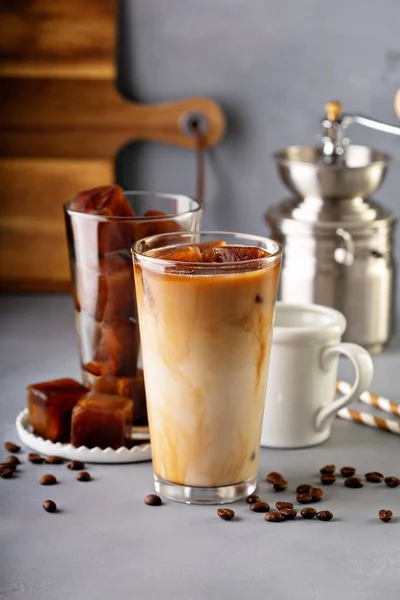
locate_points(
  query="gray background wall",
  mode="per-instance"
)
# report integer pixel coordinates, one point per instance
(272, 65)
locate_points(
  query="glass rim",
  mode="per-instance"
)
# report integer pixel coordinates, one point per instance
(167, 217)
(200, 265)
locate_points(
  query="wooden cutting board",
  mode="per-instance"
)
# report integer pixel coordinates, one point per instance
(62, 122)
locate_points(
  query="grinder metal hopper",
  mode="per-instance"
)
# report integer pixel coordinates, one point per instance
(337, 240)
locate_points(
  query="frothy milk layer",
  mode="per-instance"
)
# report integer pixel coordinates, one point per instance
(205, 343)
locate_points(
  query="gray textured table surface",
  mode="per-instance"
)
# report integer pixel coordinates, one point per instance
(105, 543)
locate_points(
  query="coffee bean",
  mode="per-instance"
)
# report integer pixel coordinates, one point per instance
(354, 482)
(280, 486)
(13, 448)
(75, 465)
(317, 494)
(258, 299)
(54, 460)
(324, 515)
(289, 513)
(13, 460)
(273, 477)
(259, 507)
(348, 471)
(274, 517)
(252, 498)
(392, 482)
(8, 466)
(226, 514)
(374, 477)
(153, 500)
(49, 506)
(280, 505)
(327, 479)
(328, 470)
(304, 488)
(84, 476)
(308, 512)
(6, 473)
(385, 515)
(304, 498)
(47, 480)
(35, 458)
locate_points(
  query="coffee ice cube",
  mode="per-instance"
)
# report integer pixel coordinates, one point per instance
(105, 287)
(98, 236)
(223, 254)
(128, 387)
(106, 200)
(183, 254)
(50, 405)
(118, 348)
(155, 226)
(101, 420)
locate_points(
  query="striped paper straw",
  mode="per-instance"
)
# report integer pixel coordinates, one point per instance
(367, 419)
(367, 398)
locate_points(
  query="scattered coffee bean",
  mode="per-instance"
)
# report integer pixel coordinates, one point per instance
(354, 482)
(374, 477)
(54, 460)
(392, 481)
(259, 507)
(35, 458)
(274, 517)
(6, 473)
(280, 505)
(304, 488)
(304, 498)
(84, 476)
(308, 512)
(385, 515)
(226, 514)
(153, 500)
(252, 498)
(75, 465)
(280, 486)
(317, 494)
(328, 470)
(324, 515)
(327, 479)
(47, 480)
(13, 460)
(348, 471)
(49, 506)
(13, 448)
(289, 513)
(273, 477)
(8, 465)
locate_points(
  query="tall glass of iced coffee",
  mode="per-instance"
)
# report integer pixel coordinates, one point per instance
(206, 305)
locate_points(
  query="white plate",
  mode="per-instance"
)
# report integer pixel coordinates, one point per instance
(138, 453)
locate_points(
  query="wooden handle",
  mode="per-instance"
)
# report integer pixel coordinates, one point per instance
(88, 118)
(166, 122)
(397, 103)
(333, 110)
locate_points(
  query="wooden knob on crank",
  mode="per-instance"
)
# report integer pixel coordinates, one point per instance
(333, 110)
(397, 103)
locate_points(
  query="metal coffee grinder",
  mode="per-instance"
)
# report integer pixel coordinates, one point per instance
(337, 241)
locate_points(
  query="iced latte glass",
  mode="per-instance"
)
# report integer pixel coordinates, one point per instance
(206, 305)
(102, 224)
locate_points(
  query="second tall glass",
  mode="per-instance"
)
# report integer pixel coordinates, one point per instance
(104, 292)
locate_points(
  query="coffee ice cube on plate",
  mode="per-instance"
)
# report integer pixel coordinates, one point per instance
(102, 420)
(50, 405)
